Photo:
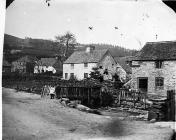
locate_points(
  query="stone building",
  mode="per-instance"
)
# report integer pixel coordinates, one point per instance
(24, 65)
(154, 68)
(80, 64)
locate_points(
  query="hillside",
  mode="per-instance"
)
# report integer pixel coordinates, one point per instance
(12, 42)
(15, 47)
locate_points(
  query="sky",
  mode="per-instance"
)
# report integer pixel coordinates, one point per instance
(136, 21)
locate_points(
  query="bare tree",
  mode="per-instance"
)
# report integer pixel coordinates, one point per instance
(67, 41)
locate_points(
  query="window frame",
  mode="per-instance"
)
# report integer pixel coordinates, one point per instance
(72, 75)
(158, 64)
(85, 75)
(100, 67)
(159, 82)
(66, 75)
(72, 66)
(85, 65)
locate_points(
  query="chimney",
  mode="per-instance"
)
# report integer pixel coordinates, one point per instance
(89, 49)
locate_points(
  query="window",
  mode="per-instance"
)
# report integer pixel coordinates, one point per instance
(101, 67)
(106, 71)
(72, 66)
(85, 65)
(112, 66)
(71, 75)
(159, 82)
(66, 75)
(158, 64)
(85, 75)
(135, 63)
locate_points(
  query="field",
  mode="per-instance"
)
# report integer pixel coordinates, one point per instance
(27, 116)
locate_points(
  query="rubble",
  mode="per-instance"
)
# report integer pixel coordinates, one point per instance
(76, 104)
(158, 109)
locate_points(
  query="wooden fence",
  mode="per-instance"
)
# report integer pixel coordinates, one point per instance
(90, 96)
(170, 105)
(131, 98)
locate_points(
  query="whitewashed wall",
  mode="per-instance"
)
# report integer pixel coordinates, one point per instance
(39, 69)
(78, 70)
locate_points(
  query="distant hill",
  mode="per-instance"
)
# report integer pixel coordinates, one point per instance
(15, 47)
(19, 43)
(12, 42)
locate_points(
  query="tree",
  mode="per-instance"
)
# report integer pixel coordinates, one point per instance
(66, 43)
(117, 83)
(95, 74)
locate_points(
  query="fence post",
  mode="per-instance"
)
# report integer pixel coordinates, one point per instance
(100, 97)
(88, 96)
(120, 97)
(144, 100)
(171, 105)
(134, 101)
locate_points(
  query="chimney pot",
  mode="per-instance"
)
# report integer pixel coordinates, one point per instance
(90, 49)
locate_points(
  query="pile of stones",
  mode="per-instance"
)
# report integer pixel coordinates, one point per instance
(158, 109)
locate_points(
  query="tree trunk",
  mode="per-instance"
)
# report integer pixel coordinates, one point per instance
(66, 50)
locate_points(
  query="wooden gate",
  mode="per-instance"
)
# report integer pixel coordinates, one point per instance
(133, 98)
(171, 105)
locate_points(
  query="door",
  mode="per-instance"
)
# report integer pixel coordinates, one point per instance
(143, 84)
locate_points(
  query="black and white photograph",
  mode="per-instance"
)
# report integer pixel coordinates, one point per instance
(88, 69)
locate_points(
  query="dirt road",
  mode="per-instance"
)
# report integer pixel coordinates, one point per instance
(28, 117)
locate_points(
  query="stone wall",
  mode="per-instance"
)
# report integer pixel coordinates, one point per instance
(108, 63)
(18, 66)
(147, 69)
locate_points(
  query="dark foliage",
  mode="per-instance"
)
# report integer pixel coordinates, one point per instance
(117, 84)
(95, 74)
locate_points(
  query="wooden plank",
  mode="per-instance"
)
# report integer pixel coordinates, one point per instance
(120, 97)
(100, 97)
(134, 100)
(88, 97)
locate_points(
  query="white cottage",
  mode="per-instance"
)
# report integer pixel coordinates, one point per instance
(80, 64)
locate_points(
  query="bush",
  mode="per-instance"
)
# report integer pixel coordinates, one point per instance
(95, 74)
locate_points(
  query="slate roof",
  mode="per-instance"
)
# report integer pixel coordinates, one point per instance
(165, 50)
(27, 58)
(114, 51)
(122, 62)
(84, 57)
(57, 64)
(48, 61)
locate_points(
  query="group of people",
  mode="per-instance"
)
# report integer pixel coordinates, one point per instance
(48, 90)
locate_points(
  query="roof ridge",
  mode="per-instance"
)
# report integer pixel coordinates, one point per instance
(83, 56)
(152, 42)
(163, 50)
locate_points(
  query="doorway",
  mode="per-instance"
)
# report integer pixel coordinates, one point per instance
(143, 84)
